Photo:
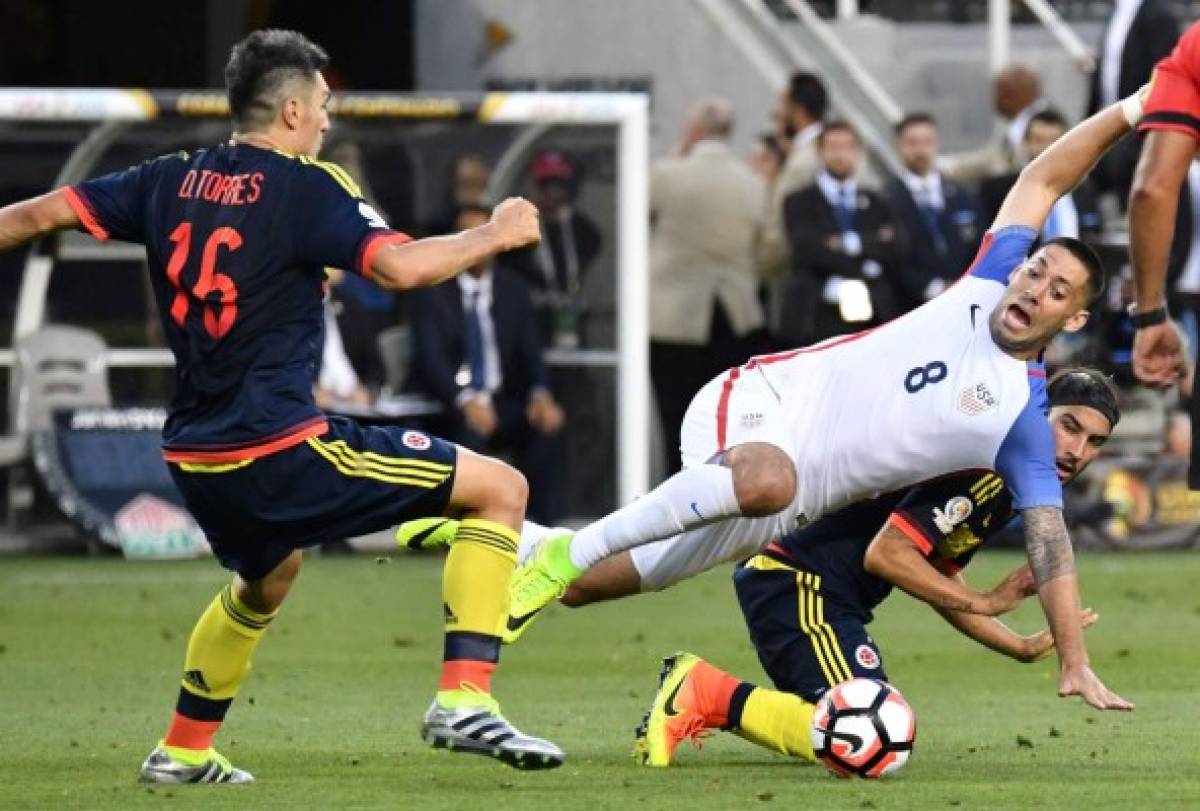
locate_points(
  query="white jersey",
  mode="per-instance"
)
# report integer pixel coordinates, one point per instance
(927, 394)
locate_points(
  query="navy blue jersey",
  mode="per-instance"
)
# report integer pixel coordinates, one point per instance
(237, 239)
(947, 519)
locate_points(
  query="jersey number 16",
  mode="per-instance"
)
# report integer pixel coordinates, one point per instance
(220, 314)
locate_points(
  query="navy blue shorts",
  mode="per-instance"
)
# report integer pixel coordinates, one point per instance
(349, 481)
(805, 644)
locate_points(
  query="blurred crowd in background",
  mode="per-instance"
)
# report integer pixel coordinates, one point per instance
(799, 241)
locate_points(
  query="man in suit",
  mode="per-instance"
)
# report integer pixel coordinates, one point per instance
(1138, 34)
(937, 218)
(707, 214)
(1074, 215)
(1017, 96)
(571, 242)
(476, 350)
(843, 237)
(802, 108)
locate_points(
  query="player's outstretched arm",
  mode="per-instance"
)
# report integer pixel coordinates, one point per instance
(994, 634)
(894, 557)
(427, 262)
(33, 218)
(1065, 163)
(1053, 564)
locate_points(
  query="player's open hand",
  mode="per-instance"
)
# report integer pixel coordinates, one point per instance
(1159, 359)
(1082, 682)
(516, 220)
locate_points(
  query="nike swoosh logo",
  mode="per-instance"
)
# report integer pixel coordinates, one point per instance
(669, 706)
(697, 512)
(515, 623)
(974, 307)
(416, 542)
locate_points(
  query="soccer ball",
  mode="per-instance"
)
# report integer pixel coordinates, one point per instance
(863, 727)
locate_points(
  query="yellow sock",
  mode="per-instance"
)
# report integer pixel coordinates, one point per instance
(216, 665)
(482, 556)
(777, 721)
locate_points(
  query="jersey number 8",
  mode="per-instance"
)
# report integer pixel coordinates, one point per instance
(921, 376)
(219, 315)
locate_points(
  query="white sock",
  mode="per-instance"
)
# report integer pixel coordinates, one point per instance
(690, 498)
(531, 535)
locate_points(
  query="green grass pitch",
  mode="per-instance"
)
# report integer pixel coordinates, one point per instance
(90, 652)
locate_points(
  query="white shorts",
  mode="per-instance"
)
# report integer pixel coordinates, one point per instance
(665, 563)
(736, 407)
(733, 408)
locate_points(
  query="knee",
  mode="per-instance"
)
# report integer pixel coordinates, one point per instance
(267, 594)
(508, 490)
(764, 479)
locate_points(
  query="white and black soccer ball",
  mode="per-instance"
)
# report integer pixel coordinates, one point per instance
(863, 727)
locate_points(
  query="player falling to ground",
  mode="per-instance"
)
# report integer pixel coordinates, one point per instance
(237, 238)
(808, 597)
(955, 384)
(1172, 128)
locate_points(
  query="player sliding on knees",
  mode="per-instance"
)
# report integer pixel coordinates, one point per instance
(237, 238)
(807, 598)
(953, 385)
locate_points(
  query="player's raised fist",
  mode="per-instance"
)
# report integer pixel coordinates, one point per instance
(516, 219)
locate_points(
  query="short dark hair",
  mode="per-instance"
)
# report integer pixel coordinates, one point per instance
(912, 119)
(260, 65)
(808, 91)
(1097, 278)
(1051, 116)
(1086, 387)
(837, 125)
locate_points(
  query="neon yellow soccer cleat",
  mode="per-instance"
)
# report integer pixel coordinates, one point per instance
(537, 582)
(673, 717)
(426, 533)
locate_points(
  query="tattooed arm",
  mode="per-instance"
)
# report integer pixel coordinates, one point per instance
(1053, 565)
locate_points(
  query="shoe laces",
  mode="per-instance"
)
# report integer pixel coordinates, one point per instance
(693, 728)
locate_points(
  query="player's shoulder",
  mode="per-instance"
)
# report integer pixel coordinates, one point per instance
(1002, 249)
(325, 176)
(180, 157)
(169, 162)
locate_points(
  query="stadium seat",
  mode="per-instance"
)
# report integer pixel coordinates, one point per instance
(56, 367)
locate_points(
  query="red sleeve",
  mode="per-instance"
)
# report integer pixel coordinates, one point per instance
(371, 245)
(1174, 102)
(83, 210)
(913, 531)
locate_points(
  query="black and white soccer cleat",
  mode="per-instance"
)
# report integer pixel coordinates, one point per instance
(160, 767)
(481, 730)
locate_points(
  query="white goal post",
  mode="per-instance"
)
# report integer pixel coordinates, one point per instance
(112, 110)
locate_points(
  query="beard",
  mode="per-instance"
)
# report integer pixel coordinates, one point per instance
(1015, 346)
